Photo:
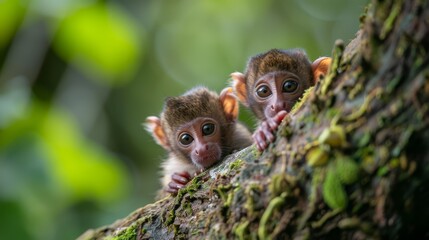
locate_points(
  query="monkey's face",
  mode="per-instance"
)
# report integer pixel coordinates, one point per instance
(200, 141)
(278, 91)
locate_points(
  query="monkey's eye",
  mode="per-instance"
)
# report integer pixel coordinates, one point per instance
(263, 91)
(186, 139)
(208, 129)
(290, 86)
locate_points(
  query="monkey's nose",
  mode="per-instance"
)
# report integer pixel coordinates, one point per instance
(202, 149)
(278, 106)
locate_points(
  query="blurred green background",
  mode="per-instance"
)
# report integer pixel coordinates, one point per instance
(77, 79)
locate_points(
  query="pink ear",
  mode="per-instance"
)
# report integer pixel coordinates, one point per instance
(153, 126)
(229, 104)
(239, 87)
(320, 67)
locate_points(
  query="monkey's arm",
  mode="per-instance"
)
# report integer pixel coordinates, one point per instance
(176, 173)
(264, 134)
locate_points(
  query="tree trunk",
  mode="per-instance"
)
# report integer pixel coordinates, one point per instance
(350, 162)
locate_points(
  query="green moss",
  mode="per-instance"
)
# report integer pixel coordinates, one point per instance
(355, 90)
(190, 188)
(364, 106)
(187, 208)
(331, 113)
(249, 191)
(279, 184)
(301, 101)
(394, 163)
(388, 23)
(383, 171)
(316, 181)
(309, 120)
(272, 205)
(236, 164)
(325, 218)
(255, 152)
(229, 198)
(337, 54)
(241, 230)
(286, 131)
(128, 234)
(225, 193)
(349, 223)
(195, 232)
(193, 185)
(170, 217)
(364, 139)
(177, 233)
(392, 84)
(222, 190)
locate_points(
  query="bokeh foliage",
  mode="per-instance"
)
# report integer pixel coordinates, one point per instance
(78, 77)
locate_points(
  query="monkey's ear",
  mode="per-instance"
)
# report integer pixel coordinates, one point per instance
(321, 67)
(229, 103)
(153, 126)
(239, 86)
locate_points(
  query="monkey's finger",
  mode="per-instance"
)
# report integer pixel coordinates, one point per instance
(174, 186)
(260, 140)
(276, 120)
(280, 116)
(272, 123)
(179, 179)
(266, 130)
(184, 174)
(171, 190)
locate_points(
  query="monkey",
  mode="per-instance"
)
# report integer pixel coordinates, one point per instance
(272, 83)
(197, 129)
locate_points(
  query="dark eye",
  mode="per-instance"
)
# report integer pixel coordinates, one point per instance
(186, 139)
(208, 129)
(263, 91)
(290, 86)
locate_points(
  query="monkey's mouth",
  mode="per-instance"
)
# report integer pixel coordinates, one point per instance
(207, 159)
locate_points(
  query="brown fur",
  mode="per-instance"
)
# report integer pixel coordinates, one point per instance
(292, 60)
(198, 102)
(271, 70)
(275, 60)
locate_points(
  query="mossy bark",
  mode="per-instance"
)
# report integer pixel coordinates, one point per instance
(351, 162)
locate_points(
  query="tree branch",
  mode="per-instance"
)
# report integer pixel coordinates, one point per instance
(350, 162)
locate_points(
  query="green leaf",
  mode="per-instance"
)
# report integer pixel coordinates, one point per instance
(83, 168)
(333, 192)
(11, 15)
(99, 40)
(347, 169)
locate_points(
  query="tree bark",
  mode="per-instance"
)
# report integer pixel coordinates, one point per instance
(350, 162)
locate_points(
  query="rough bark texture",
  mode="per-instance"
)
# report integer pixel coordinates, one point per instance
(351, 162)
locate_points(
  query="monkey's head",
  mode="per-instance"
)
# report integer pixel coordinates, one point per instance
(275, 80)
(196, 126)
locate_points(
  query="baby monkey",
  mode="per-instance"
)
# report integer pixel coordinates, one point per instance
(197, 129)
(272, 83)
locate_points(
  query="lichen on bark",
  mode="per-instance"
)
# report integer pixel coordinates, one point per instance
(351, 162)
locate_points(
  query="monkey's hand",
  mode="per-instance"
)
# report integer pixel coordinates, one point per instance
(264, 134)
(178, 181)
